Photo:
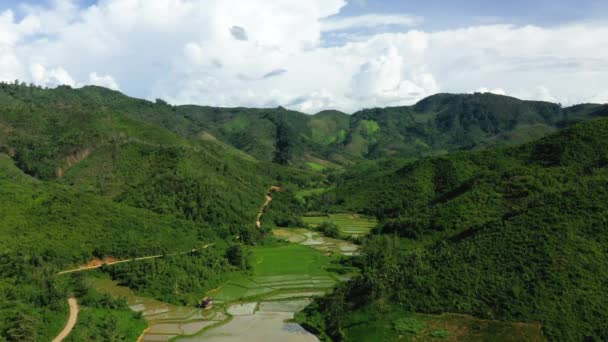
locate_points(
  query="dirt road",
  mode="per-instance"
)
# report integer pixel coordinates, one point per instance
(71, 320)
(114, 262)
(258, 222)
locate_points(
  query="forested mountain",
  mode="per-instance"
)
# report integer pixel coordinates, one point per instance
(514, 234)
(436, 125)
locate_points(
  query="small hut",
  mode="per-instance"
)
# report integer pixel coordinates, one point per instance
(207, 303)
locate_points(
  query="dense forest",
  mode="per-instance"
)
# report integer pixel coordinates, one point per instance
(513, 234)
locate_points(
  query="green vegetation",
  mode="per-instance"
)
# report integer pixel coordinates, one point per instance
(177, 279)
(100, 184)
(512, 234)
(279, 268)
(385, 322)
(315, 166)
(348, 224)
(461, 222)
(285, 210)
(104, 318)
(329, 229)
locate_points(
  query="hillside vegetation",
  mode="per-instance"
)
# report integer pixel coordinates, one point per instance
(436, 125)
(514, 234)
(466, 225)
(80, 181)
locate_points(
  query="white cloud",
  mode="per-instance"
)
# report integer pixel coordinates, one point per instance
(382, 80)
(367, 21)
(103, 81)
(497, 91)
(185, 51)
(50, 77)
(599, 98)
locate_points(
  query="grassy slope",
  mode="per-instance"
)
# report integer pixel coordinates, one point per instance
(515, 234)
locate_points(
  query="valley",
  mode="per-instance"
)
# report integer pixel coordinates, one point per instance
(463, 217)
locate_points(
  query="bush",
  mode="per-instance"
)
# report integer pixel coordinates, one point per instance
(408, 325)
(329, 229)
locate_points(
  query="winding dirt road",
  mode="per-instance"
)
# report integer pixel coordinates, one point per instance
(71, 320)
(274, 188)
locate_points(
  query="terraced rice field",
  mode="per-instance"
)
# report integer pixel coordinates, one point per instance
(284, 278)
(165, 321)
(349, 224)
(284, 271)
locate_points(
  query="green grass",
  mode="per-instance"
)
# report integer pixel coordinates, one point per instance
(315, 166)
(349, 224)
(277, 269)
(288, 259)
(302, 194)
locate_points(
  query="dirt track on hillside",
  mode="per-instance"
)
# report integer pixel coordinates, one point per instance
(97, 263)
(274, 188)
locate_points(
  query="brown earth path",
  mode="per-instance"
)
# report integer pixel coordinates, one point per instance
(98, 263)
(71, 320)
(274, 188)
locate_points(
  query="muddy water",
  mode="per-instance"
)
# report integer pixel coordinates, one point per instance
(266, 324)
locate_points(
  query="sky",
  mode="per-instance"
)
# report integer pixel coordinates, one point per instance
(310, 55)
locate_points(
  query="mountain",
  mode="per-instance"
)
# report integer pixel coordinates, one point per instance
(515, 234)
(436, 125)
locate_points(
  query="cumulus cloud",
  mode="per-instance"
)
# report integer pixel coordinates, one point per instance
(50, 77)
(103, 81)
(215, 52)
(383, 80)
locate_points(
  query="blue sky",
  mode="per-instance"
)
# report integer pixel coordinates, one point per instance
(311, 55)
(443, 14)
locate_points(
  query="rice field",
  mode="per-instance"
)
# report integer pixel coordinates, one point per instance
(279, 271)
(349, 224)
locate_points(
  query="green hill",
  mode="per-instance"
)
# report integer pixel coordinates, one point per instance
(515, 234)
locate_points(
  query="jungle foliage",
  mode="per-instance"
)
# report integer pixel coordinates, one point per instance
(514, 234)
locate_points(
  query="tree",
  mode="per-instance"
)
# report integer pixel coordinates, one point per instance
(283, 145)
(24, 329)
(330, 229)
(236, 256)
